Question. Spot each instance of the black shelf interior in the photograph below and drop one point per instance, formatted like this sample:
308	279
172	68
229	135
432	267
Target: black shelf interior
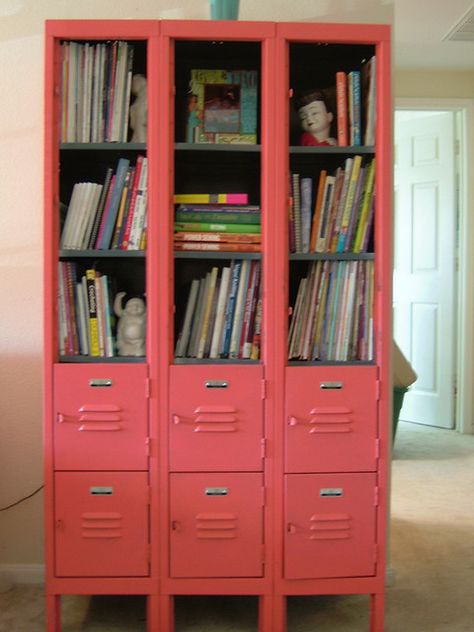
314	67
211	55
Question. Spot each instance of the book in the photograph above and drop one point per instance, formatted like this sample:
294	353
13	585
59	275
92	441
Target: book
222	106
92	313
366	204
220	313
233	209
248	325
111	215
100	207
306	187
368	98
296	197
203	227
239	309
230	307
224	217
341	108
354	99
216	246
203	334
317	210
211	198
219	237
346	215
183	338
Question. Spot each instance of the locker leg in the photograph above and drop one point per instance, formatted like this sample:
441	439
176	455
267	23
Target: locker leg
153	613
279	613
265	613
166	613
377	610
53	613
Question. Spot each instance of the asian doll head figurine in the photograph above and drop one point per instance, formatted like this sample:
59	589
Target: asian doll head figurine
315	119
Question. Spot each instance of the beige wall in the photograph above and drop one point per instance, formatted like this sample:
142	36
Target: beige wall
433	84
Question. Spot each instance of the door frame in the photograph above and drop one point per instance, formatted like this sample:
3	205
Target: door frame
464	301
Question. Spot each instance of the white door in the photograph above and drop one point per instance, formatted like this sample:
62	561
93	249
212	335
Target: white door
424	261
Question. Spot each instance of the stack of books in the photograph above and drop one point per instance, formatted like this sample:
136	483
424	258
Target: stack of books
111	215
217	222
223	314
96	89
339	218
355	111
86	316
332	319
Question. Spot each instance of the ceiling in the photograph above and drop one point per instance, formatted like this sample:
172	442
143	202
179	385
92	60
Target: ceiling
419	29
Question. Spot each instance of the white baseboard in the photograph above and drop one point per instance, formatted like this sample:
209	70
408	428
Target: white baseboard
20	574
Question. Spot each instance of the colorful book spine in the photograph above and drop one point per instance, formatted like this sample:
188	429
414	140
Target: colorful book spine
92	309
200	227
341	108
112	211
224	217
210	246
243	238
211	198
355	107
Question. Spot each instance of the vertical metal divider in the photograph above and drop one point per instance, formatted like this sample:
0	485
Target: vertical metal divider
154	300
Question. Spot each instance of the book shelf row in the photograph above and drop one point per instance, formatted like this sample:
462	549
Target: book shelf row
96	90
86	316
223	314
111	215
337	215
332	318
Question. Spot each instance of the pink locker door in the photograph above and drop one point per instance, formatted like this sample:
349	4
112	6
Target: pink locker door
216	420
101	524
101	417
216	525
330	525
331	419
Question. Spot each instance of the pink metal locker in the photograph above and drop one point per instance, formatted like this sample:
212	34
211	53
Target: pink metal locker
216	418
216	525
331	415
101	417
101	523
330	525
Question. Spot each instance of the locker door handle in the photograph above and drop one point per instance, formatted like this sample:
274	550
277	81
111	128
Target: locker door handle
292	421
291	529
176	419
175	526
98	427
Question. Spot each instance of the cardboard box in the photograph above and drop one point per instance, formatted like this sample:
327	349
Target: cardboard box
402	371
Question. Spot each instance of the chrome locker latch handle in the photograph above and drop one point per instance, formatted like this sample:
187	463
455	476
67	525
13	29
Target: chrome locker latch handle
331	386
291	529
176	419
292	421
60	418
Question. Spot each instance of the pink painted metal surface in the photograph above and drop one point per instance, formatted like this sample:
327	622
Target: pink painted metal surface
330	525
331	419
101	524
216	525
216	420
101	417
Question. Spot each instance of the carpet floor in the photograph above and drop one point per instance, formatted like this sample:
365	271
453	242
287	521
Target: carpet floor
432	562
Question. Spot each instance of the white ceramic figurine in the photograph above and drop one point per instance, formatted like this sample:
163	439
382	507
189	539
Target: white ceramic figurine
131	328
